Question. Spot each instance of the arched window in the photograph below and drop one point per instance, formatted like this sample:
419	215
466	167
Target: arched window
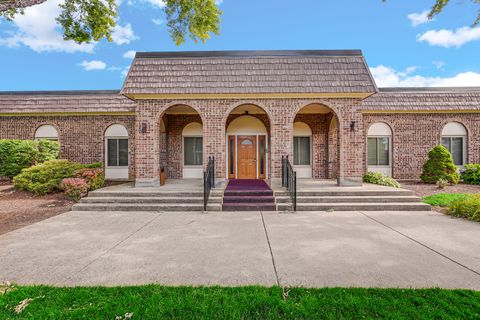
46	131
454	138
379	148
116	147
192	150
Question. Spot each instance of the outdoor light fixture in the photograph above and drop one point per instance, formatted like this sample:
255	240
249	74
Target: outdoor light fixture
144	127
352	126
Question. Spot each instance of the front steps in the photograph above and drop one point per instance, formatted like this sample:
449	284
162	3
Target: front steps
146	200
239	200
352	200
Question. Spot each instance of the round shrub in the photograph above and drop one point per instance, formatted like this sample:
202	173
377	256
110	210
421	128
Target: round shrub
75	188
94	177
381	179
471	174
439	165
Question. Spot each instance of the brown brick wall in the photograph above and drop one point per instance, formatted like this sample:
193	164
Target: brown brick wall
281	114
415	134
81	137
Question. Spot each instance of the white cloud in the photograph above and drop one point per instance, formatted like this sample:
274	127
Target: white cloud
389	77
157	21
419	18
38	30
157	3
448	38
123	35
93	65
439	64
129	54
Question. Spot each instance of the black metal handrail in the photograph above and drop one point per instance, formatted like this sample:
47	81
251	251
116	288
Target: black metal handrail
289	180
208	181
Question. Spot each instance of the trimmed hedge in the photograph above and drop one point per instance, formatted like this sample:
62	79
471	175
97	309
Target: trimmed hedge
471	174
47	177
380	179
439	165
16	155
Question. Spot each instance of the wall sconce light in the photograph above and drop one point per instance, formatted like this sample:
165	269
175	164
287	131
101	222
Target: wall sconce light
352	126
246	112
144	127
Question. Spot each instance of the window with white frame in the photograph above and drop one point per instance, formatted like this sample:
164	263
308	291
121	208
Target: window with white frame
47	132
379	145
116	140
193	144
302	144
454	138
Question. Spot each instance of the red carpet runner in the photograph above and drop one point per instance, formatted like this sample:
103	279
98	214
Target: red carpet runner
248	195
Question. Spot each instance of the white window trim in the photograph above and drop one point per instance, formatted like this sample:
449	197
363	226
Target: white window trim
106	153
183	151
389	152
464	147
311	152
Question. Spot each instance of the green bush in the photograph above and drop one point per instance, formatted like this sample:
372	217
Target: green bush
381	179
471	174
75	188
46	177
48	150
16	155
468	207
94	177
439	165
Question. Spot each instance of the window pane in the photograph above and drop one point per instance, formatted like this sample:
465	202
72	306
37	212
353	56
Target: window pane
446	143
193	151
112	152
383	151
301	151
123	152
457	150
262	154
198	151
232	154
372	151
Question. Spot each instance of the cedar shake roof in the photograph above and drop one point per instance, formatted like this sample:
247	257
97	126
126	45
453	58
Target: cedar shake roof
64	101
249	72
430	99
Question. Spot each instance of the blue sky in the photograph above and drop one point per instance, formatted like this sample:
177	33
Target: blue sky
401	47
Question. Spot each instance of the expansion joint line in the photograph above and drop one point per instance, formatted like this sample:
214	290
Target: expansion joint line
271	252
421	243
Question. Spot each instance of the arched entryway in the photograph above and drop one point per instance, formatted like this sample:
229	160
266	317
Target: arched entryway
316	142
247	147
181	143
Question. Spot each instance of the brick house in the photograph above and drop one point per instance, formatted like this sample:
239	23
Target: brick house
247	109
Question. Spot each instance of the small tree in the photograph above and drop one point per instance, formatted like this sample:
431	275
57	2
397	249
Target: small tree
439	165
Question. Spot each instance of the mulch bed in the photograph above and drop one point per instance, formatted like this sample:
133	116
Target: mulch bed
424	189
20	208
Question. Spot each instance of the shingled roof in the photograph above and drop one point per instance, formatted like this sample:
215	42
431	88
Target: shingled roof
423	99
64	101
249	72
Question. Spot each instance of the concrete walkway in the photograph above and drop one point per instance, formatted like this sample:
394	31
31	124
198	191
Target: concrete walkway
314	249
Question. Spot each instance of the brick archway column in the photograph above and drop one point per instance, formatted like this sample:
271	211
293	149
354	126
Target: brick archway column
281	135
351	145
147	143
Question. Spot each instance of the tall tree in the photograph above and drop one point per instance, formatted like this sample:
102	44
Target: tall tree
84	21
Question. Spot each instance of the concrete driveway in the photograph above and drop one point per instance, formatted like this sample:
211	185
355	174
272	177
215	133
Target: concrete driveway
314	249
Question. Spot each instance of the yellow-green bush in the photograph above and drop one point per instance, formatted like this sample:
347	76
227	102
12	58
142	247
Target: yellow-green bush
467	207
380	179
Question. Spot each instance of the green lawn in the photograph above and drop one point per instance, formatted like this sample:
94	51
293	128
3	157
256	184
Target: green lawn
157	302
443	199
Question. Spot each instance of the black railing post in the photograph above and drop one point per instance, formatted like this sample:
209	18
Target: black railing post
205	190
213	171
289	180
294	191
283	171
208	181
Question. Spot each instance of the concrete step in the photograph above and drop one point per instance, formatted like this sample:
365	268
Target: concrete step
393	206
153	194
256	206
247	199
349	199
143	207
150	200
359	193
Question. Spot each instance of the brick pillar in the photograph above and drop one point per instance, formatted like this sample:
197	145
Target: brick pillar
214	144
352	145
147	136
281	140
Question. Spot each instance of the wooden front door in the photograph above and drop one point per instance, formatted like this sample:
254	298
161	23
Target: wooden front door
247	157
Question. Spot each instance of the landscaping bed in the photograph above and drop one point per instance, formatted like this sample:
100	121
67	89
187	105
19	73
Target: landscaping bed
159	302
20	208
424	189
